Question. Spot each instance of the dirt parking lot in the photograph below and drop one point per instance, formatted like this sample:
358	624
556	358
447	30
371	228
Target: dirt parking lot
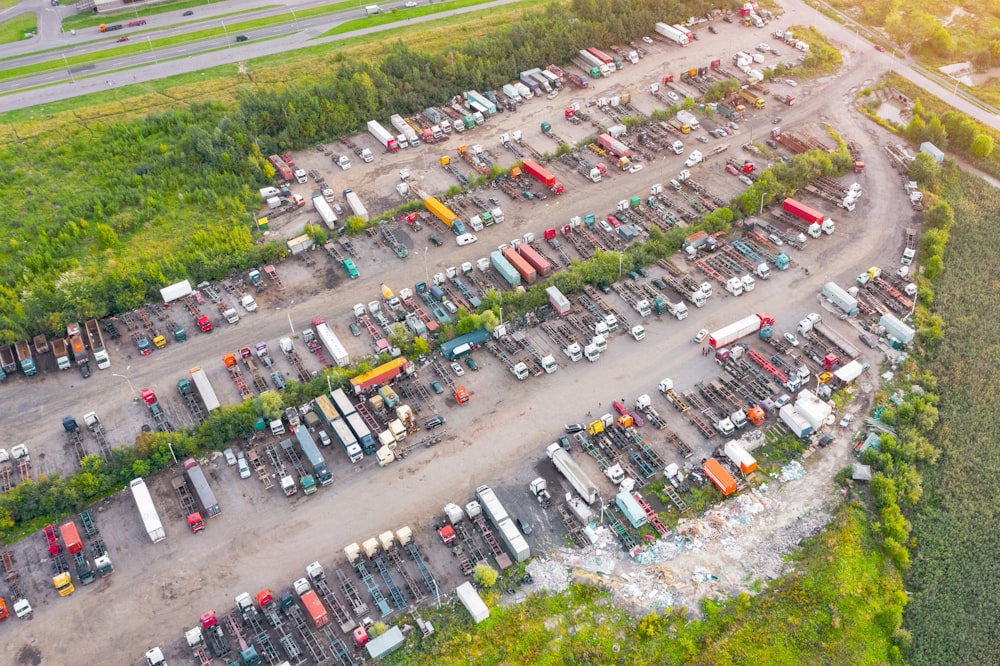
262	539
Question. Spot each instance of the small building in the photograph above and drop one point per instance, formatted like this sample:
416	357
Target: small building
300	244
897	329
388	642
933	151
472	601
630	507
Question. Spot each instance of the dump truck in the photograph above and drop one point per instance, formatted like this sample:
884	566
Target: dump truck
573	473
147	510
97	344
202	491
24	358
61	353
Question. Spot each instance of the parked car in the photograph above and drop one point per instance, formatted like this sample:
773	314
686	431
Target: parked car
783	400
436	387
244	468
411	3
324	438
188	13
868	340
733	126
457	369
792	340
524	526
825	440
712	30
436	240
847	420
673	96
230	457
745	179
791	83
575	427
355	331
732	170
435	422
635	168
702	138
701	335
648	40
471	363
880	48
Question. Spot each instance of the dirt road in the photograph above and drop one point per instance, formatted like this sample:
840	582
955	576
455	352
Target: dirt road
498	439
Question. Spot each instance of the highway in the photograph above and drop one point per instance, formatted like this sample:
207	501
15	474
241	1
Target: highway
280	38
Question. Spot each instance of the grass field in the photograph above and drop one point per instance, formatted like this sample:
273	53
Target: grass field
17	28
956	591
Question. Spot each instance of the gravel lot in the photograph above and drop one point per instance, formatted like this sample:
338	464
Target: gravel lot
262	539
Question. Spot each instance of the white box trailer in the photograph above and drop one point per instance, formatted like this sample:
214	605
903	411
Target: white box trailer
332	344
177	290
205	389
147	510
491	505
325	212
472	601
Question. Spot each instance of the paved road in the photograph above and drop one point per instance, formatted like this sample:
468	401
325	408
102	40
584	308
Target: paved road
161	63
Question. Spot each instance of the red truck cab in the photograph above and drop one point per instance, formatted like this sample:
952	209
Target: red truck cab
195	522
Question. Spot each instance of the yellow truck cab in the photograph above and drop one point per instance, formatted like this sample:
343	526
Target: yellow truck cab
63	584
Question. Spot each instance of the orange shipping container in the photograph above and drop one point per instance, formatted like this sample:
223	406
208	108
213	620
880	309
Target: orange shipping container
71	537
717	474
526	270
316	609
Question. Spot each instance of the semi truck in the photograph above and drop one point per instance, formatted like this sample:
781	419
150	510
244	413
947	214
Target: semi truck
97	344
365	438
331	342
502	266
802	211
542	175
354	201
491	505
74	546
325	212
202	491
514	541
739	329
673	34
404	127
573	473
315	458
525	270
205	389
445	214
343	434
147	510
383	136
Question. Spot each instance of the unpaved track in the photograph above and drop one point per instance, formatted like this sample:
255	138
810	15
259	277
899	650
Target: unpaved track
498	439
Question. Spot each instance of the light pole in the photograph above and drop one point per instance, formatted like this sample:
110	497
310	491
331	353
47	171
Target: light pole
152	50
170	445
761	203
225	32
68	69
426	274
135	396
621	257
292	328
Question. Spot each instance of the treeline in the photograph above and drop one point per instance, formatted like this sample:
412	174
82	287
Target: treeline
102	214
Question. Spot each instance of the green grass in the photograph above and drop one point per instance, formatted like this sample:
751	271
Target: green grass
840	607
401	14
18	28
956	592
4	4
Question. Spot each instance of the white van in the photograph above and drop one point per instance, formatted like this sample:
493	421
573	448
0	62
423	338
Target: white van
466	239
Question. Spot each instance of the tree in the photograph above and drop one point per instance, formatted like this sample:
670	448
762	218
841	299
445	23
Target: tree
925	171
270	405
982	145
420	346
377	629
940	216
485	575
